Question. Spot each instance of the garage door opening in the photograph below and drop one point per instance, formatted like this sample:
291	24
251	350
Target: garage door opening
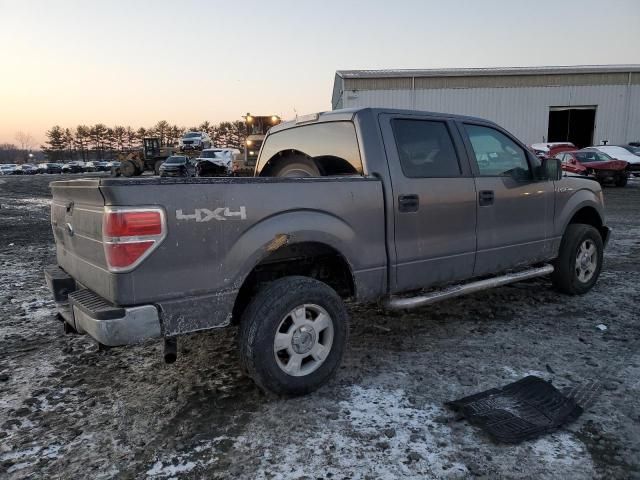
572	124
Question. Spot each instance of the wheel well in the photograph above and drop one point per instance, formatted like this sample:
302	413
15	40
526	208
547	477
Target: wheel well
309	259
328	165
588	216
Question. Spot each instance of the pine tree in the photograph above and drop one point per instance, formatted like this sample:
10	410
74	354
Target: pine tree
131	138
161	129
141	133
69	144
98	138
119	134
55	144
82	138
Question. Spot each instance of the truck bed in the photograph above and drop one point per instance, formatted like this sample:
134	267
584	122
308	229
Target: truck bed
218	229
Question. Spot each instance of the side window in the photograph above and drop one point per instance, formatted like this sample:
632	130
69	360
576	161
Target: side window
496	154
425	149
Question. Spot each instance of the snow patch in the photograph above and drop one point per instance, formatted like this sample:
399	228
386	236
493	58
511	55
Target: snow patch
200	456
382	436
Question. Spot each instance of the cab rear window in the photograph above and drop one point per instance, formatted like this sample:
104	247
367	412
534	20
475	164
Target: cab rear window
332	145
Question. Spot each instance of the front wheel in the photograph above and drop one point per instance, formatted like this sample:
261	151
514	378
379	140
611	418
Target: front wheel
293	335
128	168
621	180
579	262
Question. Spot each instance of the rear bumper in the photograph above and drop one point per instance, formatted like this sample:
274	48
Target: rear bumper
90	314
136	325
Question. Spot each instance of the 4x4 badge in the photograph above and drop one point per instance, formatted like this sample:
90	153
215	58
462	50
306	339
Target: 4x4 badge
206	215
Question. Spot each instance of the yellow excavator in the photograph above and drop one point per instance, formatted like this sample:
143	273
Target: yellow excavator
150	158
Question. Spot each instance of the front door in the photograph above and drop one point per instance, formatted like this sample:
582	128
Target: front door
515	210
434	202
569	163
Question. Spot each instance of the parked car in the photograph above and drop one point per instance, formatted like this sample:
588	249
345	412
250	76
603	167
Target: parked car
396	208
49	168
26	169
177	166
90	166
103	166
635	149
595	164
194	141
8	169
214	162
621	153
550	149
73	167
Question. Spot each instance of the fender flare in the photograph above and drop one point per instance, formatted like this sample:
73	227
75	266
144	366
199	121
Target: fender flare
272	233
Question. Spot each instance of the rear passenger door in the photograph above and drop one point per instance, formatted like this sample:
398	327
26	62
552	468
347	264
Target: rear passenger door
434	201
515	210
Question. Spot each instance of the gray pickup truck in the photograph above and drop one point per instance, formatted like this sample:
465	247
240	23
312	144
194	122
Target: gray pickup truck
401	207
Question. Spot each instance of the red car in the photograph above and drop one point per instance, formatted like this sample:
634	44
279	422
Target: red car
550	149
595	164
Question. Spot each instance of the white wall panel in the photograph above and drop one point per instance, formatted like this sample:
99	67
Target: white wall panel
523	111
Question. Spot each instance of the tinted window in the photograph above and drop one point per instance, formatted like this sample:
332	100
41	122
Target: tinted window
329	143
496	154
425	149
176	160
592	156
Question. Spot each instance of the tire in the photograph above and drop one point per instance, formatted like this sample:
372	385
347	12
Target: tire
156	166
277	310
621	180
128	168
569	276
296	166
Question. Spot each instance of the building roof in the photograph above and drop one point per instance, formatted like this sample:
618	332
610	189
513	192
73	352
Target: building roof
465	72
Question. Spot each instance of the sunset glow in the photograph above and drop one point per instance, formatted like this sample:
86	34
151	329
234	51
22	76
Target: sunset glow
137	62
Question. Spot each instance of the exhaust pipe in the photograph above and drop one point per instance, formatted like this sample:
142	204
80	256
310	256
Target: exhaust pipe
170	349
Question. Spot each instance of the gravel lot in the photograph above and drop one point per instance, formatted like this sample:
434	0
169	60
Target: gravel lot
68	410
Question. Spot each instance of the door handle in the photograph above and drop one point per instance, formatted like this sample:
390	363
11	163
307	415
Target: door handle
485	197
408	203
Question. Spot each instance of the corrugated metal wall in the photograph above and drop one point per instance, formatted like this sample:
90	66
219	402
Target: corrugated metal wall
524	111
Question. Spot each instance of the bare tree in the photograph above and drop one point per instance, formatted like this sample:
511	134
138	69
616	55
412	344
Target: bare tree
26	142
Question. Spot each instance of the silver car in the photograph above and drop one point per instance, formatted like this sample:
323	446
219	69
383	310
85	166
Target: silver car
195	141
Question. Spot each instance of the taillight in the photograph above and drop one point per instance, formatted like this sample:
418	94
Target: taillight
130	235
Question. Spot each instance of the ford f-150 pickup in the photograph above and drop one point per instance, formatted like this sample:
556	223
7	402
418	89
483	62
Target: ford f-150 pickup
400	207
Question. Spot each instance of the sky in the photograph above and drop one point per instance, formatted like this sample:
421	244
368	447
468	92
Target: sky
135	62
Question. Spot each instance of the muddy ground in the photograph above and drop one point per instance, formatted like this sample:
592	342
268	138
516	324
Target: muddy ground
68	410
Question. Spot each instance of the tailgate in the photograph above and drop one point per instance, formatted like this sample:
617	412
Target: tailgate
76	219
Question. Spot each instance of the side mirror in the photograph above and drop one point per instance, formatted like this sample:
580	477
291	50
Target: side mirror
550	169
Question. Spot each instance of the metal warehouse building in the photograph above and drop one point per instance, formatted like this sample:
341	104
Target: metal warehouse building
586	105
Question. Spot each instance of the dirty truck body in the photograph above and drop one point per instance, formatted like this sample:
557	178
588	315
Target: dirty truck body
422	200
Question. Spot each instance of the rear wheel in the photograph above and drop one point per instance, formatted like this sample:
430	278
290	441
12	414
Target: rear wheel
293	335
296	166
156	166
579	261
621	180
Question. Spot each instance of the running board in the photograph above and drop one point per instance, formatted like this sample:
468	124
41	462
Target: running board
402	303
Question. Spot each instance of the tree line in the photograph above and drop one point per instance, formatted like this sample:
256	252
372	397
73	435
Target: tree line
21	151
101	142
